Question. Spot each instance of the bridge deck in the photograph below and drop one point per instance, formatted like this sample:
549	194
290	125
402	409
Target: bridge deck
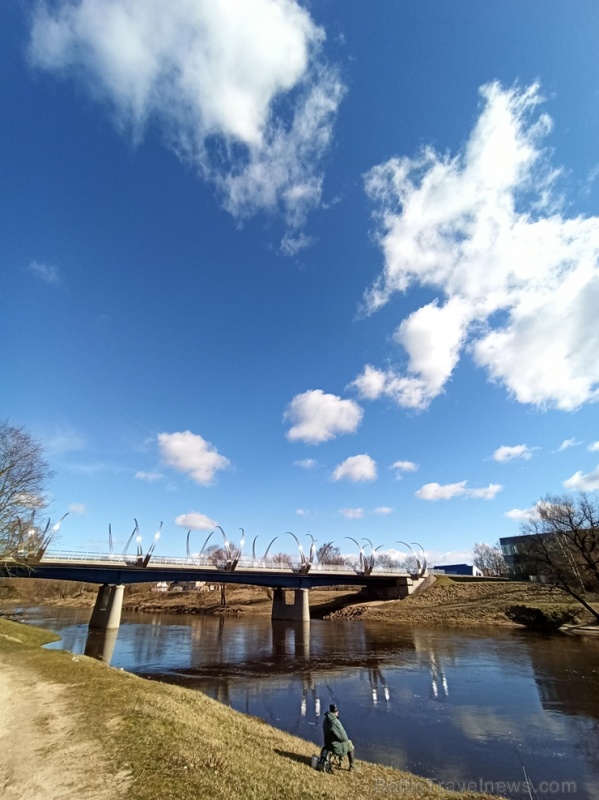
118	569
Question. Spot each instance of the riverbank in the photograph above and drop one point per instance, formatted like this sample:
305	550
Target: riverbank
444	602
240	599
448	602
76	729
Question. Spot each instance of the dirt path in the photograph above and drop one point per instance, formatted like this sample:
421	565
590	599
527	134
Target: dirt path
42	753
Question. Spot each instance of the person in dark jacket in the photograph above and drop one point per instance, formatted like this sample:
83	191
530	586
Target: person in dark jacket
335	738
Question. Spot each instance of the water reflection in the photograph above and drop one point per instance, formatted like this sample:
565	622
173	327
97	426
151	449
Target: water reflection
448	705
100	643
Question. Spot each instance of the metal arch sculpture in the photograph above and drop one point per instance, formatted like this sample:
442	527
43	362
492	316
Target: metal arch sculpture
48	536
256	562
141	560
424	567
38	540
366	562
129	540
146	559
371	559
405	544
361	552
232	554
421	568
188	549
205	543
305	561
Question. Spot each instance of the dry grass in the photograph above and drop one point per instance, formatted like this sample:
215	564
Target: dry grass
172	742
452	603
241	599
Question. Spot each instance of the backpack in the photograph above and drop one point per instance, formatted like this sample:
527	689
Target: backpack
324	761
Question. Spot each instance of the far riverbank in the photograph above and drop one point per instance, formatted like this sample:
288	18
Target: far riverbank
445	602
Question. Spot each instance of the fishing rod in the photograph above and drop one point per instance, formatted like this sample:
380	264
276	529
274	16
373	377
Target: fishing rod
529	784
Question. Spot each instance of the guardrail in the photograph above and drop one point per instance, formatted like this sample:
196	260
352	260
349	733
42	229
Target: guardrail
56	556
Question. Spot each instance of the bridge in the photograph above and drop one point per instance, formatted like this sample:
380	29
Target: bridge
113	572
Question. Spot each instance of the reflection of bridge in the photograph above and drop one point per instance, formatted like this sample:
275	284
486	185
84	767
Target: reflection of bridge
114	571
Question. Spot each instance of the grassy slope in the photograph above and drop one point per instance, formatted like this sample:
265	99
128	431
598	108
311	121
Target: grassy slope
175	743
448	602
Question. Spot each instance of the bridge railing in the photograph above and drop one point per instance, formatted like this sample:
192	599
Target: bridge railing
205	562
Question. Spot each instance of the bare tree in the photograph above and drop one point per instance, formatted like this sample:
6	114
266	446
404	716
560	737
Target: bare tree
217	555
281	559
562	546
489	560
24	473
411	565
387	561
328	553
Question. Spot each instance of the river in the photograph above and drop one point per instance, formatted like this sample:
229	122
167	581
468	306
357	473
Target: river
504	711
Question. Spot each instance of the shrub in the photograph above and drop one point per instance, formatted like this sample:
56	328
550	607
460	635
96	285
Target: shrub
541	619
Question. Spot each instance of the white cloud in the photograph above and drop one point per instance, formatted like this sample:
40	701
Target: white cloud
566	444
486	492
302	512
436	491
77	508
195	521
590	179
150	477
306	463
580	482
523	514
383	511
63	439
46	272
517	281
403	466
189	453
352	513
593	447
507	453
355	468
292	244
436	559
210	73
317	417
406	391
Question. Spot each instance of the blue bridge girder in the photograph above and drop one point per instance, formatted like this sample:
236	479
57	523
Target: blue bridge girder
126	570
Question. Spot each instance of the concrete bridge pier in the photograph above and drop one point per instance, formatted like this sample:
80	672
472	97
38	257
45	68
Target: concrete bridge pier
297	611
108	607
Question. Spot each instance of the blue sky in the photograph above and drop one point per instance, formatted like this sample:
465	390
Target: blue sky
325	267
